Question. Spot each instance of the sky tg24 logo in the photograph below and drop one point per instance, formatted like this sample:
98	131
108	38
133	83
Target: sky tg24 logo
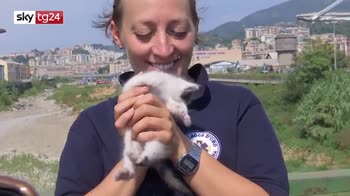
38	17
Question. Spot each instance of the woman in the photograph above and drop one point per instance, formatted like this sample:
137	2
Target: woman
240	153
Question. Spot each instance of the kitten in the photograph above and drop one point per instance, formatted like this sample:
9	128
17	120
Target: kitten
173	92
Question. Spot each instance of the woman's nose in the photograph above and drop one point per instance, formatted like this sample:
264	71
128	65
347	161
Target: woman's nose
162	46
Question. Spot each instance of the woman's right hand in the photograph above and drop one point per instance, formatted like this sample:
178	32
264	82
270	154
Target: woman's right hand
123	110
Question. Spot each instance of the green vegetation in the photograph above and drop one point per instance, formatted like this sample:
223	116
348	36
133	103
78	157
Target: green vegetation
9	96
325	110
301	153
21	59
311	110
103	70
35	170
212	39
82	97
311	65
330	186
40	173
80	51
107	47
310	113
38	86
6	99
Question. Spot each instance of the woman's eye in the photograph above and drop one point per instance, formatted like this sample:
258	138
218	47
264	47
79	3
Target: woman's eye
144	36
179	34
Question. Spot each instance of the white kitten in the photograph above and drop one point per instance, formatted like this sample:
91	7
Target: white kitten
173	92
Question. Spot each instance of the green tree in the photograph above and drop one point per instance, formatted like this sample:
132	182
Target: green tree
311	65
21	59
103	70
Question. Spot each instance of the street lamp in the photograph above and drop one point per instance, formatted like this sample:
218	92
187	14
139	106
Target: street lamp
335	46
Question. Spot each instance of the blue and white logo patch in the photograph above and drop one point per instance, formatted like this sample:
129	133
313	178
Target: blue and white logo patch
207	141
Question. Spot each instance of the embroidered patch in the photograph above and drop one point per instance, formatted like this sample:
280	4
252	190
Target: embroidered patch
207	141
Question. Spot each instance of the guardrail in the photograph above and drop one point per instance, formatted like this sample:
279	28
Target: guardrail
330	182
245	81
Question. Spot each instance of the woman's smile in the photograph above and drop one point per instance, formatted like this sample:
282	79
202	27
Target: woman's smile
164	66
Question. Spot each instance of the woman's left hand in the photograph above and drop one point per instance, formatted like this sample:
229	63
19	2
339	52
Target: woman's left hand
153	121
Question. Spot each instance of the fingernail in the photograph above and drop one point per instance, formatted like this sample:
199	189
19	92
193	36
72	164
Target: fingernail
145	89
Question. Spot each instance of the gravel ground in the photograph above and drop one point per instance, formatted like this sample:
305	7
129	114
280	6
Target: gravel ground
39	128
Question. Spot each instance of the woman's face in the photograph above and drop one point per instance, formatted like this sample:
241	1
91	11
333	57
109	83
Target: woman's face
157	34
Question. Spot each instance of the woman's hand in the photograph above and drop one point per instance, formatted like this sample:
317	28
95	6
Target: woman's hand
124	111
153	121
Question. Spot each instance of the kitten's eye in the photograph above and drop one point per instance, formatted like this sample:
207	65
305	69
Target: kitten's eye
186	96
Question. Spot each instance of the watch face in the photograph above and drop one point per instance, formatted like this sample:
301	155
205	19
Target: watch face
187	164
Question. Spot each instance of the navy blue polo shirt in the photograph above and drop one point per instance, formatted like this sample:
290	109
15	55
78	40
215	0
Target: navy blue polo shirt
229	122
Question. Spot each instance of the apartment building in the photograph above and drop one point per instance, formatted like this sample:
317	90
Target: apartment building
119	67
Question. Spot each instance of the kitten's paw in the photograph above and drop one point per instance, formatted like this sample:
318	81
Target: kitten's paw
133	156
124	174
135	152
187	120
142	161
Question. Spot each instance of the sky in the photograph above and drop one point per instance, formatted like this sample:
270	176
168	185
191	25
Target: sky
78	16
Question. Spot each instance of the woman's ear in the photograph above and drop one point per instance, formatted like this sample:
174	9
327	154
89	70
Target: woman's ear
115	32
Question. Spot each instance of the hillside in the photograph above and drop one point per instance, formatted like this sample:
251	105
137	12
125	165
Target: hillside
284	12
107	47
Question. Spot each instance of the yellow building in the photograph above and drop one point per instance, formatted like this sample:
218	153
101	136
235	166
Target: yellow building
13	71
2	69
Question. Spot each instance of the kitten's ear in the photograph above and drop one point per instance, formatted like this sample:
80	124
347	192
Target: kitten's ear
188	91
191	88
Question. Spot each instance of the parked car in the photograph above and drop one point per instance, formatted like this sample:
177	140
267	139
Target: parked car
103	81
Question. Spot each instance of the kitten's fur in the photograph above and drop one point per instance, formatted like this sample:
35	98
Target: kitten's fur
172	91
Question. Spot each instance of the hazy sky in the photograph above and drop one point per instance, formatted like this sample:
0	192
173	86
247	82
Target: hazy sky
78	15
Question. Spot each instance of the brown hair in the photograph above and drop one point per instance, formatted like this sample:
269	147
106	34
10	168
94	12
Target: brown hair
106	18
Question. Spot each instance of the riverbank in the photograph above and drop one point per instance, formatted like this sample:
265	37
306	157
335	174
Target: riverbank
40	128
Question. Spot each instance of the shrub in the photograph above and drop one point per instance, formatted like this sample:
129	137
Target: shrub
295	87
342	139
5	98
80	97
325	110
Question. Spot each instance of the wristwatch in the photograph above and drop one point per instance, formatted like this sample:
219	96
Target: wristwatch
188	162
